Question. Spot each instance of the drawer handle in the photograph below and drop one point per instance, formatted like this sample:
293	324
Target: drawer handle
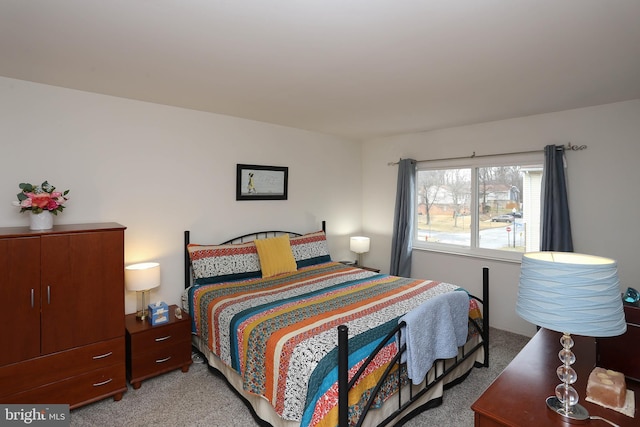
163	338
163	360
103	382
102	356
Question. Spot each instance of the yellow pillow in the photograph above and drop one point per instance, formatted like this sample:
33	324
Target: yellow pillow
276	256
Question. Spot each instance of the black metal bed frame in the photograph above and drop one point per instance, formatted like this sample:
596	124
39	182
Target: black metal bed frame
345	385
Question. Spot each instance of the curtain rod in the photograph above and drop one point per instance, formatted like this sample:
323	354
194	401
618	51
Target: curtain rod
568	147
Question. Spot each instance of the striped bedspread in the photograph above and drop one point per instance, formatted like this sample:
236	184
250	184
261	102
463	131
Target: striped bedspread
280	333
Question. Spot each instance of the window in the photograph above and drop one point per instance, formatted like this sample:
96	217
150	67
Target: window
487	206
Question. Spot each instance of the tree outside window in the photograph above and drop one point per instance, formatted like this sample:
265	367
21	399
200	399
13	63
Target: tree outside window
479	209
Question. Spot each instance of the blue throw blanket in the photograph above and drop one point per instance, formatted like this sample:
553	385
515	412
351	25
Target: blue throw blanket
434	330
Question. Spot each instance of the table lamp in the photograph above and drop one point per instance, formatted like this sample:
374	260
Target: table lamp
141	278
359	245
570	293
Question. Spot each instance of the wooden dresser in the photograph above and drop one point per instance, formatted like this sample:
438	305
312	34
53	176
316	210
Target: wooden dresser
63	335
518	395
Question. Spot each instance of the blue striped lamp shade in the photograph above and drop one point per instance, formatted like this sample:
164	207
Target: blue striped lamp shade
570	292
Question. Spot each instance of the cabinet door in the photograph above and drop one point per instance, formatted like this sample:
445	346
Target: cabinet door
20	297
82	289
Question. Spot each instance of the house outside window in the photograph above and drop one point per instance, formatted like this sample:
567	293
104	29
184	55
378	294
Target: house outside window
487	206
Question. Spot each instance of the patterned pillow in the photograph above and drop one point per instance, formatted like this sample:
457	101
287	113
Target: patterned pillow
218	263
310	249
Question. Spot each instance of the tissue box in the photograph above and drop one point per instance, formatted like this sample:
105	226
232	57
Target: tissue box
158	313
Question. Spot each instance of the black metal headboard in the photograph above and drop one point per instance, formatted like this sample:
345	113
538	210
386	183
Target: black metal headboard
259	235
240	239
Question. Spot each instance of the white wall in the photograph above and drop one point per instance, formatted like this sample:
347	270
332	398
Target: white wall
604	197
160	170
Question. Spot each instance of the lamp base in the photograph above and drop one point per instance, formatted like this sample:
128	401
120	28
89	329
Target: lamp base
577	415
142	297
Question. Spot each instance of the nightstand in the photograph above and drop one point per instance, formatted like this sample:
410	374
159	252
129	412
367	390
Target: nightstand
154	350
354	264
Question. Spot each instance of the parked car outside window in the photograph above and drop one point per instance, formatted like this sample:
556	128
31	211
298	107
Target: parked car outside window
458	200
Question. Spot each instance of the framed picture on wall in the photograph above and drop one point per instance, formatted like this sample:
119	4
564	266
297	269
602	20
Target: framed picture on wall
256	182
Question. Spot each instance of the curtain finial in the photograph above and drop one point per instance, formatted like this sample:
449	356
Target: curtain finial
572	147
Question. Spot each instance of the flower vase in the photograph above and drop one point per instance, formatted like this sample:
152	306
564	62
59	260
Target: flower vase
41	221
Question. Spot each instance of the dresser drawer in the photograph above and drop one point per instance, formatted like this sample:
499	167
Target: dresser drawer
160	337
78	390
160	360
54	367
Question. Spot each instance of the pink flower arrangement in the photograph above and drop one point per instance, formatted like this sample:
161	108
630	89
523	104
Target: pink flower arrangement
38	198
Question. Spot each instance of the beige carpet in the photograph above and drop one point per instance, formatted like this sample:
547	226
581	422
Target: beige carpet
201	398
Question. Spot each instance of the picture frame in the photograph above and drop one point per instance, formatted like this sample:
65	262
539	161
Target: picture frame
258	182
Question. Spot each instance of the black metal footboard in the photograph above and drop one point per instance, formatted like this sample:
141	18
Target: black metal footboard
344	384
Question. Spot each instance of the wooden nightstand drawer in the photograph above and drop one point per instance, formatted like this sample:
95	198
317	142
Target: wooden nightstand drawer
160	336
162	360
154	350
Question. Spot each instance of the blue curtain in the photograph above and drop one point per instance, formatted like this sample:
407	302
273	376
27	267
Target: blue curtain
556	226
401	244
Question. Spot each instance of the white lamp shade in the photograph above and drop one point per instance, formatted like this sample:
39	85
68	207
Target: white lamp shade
571	293
143	276
359	244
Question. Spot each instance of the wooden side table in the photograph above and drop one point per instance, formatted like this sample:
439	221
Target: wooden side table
354	264
154	350
517	396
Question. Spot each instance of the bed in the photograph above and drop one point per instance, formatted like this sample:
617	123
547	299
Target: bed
308	341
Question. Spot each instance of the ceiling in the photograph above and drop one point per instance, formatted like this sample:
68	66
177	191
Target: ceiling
358	69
